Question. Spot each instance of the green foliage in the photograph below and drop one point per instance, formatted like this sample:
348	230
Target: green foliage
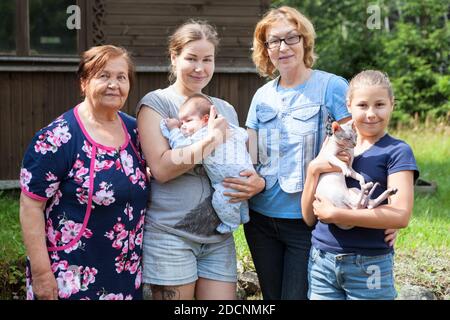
12	262
411	44
7	27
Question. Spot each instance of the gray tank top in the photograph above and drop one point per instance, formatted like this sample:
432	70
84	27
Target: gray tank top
182	206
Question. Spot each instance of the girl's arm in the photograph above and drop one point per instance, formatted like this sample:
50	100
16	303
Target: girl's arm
309	189
394	215
315	168
33	231
166	164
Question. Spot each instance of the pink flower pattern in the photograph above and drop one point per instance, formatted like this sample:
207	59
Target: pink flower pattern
51	140
127	241
25	178
82	267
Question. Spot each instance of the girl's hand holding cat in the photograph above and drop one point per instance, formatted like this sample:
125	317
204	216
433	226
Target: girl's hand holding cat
324	210
321	165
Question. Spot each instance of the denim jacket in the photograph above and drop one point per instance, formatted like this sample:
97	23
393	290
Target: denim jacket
290	134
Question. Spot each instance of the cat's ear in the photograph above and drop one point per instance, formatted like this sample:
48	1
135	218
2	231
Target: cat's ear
335	126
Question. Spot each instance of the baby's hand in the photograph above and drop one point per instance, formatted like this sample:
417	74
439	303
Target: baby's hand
172	123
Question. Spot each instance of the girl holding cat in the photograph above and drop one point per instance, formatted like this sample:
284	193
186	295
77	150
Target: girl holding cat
357	263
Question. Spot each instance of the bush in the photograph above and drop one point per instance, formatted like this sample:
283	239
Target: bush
12	279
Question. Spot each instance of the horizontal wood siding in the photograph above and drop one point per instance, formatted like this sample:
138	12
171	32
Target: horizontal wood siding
143	27
31	100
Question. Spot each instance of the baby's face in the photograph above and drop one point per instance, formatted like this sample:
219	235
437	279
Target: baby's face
191	121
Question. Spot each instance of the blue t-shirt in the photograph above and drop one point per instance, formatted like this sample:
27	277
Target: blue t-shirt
274	202
387	156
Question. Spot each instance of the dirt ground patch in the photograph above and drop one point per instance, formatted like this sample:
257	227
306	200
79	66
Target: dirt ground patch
429	268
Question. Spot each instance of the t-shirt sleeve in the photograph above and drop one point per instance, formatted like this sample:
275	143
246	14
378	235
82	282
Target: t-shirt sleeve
235	119
335	98
154	101
402	159
46	163
227	110
252	121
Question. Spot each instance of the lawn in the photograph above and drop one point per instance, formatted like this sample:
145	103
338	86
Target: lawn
422	249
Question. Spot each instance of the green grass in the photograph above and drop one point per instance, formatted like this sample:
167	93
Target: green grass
429	226
11	245
423	249
12	250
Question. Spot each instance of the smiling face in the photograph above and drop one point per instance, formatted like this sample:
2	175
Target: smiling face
371	108
194	66
286	57
109	88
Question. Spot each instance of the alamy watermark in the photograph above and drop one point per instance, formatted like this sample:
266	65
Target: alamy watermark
74	20
374	280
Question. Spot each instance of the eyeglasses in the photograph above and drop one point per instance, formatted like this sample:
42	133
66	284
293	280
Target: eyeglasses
276	43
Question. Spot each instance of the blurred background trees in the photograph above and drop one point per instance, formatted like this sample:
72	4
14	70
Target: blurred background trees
409	40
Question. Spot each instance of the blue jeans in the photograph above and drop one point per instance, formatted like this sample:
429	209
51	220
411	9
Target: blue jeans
350	276
280	250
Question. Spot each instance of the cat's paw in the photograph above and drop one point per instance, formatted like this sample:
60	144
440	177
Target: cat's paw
392	191
346	171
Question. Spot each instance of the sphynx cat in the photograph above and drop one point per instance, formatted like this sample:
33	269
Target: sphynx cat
332	185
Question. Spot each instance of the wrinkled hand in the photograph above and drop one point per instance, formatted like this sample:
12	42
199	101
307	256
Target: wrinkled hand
45	286
172	123
324	209
391	236
246	187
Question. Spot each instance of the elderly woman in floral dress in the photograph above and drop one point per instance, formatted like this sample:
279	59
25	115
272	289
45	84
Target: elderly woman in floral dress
84	191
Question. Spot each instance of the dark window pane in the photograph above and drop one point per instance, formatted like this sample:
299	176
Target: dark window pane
49	33
7	26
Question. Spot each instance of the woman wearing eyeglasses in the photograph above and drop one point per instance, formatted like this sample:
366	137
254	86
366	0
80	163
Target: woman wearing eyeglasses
289	117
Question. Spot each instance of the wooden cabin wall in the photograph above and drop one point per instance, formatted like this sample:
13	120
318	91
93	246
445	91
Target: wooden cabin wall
143	26
31	100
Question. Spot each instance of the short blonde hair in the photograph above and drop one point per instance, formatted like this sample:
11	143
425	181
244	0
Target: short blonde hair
369	78
189	31
304	27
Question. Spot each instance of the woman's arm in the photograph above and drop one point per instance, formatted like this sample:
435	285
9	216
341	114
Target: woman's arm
33	230
394	215
246	188
166	164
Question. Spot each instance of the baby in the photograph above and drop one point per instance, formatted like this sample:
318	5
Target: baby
227	160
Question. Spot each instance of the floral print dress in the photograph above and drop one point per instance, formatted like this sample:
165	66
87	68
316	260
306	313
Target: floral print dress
96	199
